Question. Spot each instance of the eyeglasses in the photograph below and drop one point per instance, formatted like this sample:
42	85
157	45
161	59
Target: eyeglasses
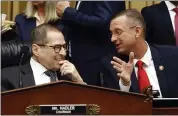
57	48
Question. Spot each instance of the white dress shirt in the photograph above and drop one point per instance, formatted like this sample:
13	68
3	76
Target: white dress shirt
150	70
172	14
39	20
38	72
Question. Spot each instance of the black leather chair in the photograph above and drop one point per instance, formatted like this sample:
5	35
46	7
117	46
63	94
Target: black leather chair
11	53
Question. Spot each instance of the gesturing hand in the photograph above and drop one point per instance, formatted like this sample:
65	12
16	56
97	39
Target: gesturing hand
124	70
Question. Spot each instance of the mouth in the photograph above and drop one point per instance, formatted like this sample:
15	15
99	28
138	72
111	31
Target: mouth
118	46
59	58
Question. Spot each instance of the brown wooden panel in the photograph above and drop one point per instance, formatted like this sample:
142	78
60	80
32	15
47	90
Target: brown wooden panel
110	101
165	111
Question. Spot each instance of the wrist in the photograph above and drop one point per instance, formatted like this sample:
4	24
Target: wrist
77	78
125	83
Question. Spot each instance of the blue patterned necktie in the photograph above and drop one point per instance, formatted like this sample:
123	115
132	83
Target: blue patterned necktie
52	75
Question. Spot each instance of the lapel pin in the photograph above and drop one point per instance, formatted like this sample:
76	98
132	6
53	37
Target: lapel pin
161	68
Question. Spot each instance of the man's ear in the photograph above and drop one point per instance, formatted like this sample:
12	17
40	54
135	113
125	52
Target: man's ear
35	49
138	31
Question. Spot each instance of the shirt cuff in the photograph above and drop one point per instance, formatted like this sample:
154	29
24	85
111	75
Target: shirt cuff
123	87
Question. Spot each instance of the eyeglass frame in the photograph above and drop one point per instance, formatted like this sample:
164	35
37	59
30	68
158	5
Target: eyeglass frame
55	46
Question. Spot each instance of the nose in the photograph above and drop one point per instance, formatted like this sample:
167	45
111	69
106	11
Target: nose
113	38
62	51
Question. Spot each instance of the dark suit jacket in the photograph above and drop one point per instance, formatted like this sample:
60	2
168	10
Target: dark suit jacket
158	24
90	28
165	56
10	77
24	26
90	36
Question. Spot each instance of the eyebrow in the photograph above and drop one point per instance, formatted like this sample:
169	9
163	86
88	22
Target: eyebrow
60	44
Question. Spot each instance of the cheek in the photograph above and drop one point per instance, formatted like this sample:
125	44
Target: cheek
128	40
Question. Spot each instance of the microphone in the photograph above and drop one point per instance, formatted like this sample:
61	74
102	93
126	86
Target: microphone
101	76
155	93
24	50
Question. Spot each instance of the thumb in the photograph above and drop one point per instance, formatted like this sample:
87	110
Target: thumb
131	58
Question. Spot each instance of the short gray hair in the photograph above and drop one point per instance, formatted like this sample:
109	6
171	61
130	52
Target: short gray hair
39	34
135	16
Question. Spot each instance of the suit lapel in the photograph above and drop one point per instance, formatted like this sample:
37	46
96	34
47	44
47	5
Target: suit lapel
106	61
167	20
134	81
27	75
158	62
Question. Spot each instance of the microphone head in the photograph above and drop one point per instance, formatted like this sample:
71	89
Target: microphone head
24	49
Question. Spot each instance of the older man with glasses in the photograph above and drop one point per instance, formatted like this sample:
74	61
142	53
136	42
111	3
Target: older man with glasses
47	63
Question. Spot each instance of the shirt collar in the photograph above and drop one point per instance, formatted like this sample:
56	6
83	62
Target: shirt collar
37	16
169	5
37	67
147	58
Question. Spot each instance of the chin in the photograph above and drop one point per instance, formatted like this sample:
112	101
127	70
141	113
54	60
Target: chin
57	67
122	51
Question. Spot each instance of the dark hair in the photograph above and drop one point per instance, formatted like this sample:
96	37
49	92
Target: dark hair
39	34
135	16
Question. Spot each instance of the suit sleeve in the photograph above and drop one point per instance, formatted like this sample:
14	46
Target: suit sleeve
102	14
6	84
146	13
17	26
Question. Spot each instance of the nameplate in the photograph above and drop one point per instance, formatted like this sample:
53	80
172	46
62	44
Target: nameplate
67	109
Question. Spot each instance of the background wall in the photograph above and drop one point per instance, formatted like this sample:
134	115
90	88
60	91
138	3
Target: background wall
12	8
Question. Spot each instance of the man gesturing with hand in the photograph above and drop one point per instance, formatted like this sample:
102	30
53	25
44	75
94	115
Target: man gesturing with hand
139	65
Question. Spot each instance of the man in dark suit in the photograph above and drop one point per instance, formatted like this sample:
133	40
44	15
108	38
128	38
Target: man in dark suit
89	35
47	63
160	22
141	64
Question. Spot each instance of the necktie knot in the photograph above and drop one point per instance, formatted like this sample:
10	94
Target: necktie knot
175	10
139	64
51	74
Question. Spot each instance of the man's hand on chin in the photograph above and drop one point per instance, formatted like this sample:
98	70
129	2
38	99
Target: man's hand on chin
69	70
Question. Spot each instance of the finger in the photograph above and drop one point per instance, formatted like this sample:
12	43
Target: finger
131	58
66	68
66	72
63	61
116	64
119	74
118	60
62	67
117	69
63	71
